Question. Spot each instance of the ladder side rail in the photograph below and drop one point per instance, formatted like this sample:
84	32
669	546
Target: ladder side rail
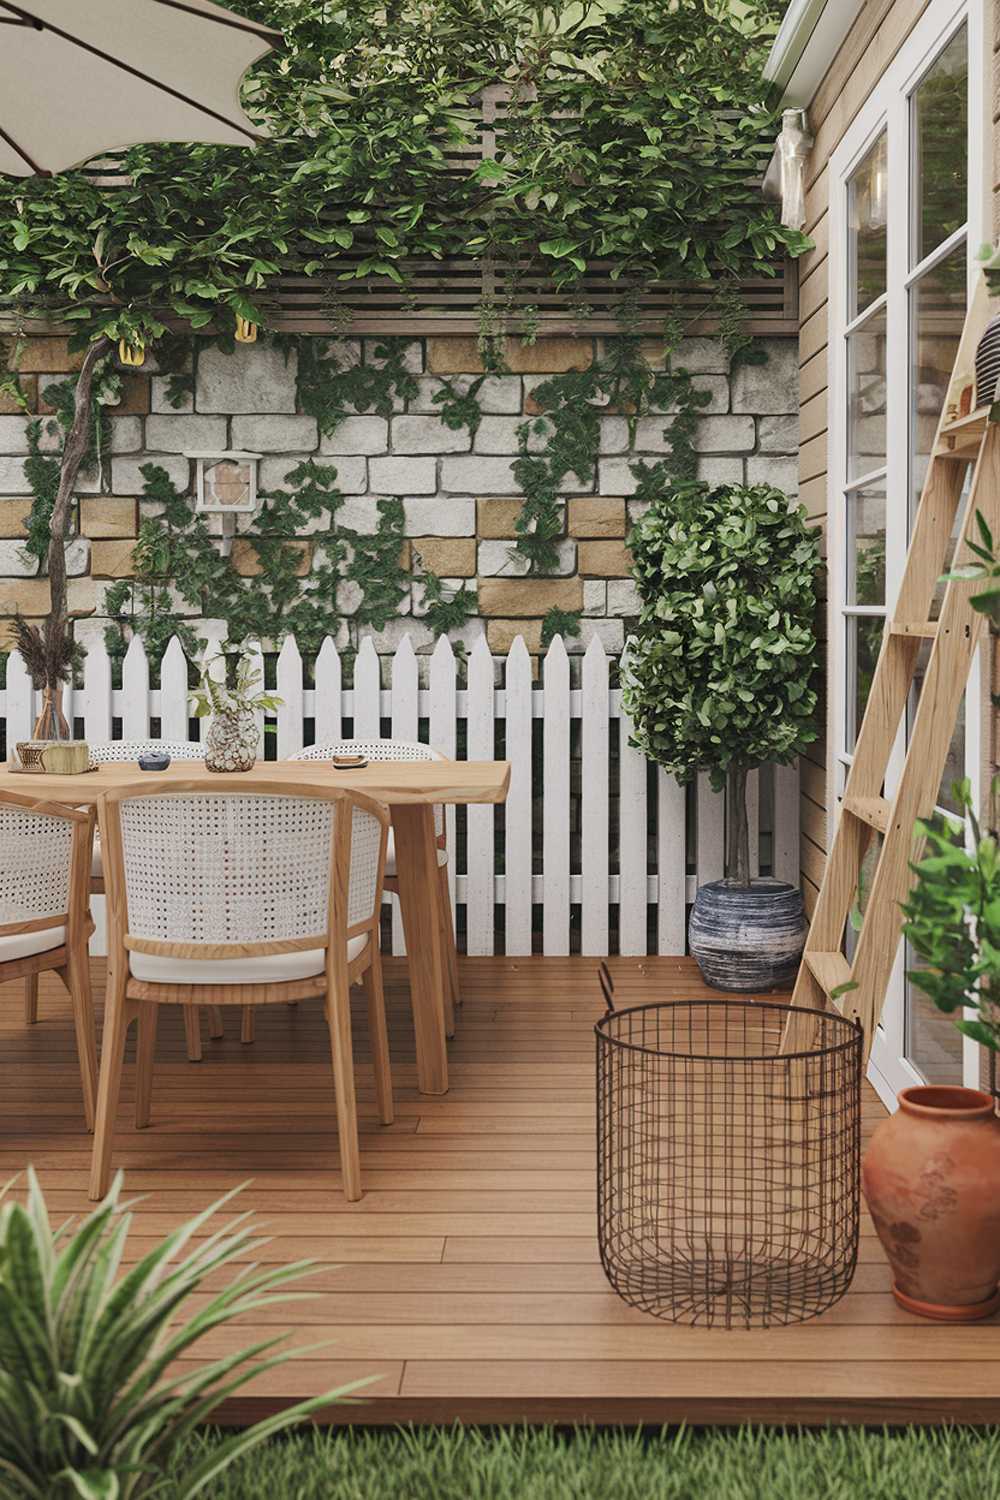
906	625
887	697
960	630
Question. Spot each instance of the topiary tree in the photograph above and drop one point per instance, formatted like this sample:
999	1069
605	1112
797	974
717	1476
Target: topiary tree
718	678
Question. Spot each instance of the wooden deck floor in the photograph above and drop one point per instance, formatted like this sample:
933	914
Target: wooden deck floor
467	1280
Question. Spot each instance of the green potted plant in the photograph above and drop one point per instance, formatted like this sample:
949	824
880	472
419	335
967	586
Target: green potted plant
931	1173
718	679
953	920
93	1404
233	697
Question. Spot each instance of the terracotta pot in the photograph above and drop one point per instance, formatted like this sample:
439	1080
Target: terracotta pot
931	1176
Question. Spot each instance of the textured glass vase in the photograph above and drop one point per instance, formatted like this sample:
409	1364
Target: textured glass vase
231	744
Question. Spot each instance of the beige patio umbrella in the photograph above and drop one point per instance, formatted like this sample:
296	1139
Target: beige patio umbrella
81	77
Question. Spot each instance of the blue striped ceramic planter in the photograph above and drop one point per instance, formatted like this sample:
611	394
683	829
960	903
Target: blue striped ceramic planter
747	938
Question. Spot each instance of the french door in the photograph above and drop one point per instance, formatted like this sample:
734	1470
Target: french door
908	189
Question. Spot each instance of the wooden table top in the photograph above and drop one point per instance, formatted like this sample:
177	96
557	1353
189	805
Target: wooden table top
391	781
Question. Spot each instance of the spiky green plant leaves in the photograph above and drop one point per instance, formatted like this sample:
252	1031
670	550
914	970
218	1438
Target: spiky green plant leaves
92	1402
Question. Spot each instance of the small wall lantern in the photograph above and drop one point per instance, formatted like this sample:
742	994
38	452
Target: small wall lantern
226	486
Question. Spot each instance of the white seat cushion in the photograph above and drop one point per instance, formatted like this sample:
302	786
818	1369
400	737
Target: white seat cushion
269	968
24	944
97	863
390	855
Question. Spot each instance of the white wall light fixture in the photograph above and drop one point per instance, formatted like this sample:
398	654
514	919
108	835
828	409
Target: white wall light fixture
226	487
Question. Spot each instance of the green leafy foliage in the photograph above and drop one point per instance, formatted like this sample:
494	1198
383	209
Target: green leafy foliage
633	137
460	407
953	919
719	674
564	441
718	678
986	568
332	384
238	688
176	552
564	622
93	1406
446	608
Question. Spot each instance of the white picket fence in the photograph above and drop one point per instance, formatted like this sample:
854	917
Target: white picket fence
651	862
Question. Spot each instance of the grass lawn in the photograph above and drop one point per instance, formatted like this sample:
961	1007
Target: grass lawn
536	1464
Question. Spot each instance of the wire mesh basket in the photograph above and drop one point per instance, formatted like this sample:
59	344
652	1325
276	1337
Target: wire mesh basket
728	1170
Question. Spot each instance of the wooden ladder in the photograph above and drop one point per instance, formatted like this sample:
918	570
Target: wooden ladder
865	812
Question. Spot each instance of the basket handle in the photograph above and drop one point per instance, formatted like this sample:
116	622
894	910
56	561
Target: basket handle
607	986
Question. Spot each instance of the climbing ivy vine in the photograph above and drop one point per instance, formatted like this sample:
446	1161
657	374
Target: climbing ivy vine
311	572
305	572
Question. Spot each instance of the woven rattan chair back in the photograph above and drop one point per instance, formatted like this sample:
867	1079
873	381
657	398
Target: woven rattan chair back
235	873
378	750
121	750
241	868
35	855
45	854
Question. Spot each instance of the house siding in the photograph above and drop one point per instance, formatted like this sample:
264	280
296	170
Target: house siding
879	31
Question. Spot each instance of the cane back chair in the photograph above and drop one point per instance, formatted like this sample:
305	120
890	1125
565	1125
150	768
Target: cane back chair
45	922
409	750
238	897
130	750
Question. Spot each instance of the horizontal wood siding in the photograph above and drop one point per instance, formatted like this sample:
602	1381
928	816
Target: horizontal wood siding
877	34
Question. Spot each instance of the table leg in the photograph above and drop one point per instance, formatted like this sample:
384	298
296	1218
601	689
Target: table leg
417	874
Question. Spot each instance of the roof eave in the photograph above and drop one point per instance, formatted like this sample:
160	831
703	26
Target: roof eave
810	37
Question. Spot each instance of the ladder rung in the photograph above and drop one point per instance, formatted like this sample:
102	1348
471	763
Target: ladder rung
830	970
975	422
926	629
875	811
966	454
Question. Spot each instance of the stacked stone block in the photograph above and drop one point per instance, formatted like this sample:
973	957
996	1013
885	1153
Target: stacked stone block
460	496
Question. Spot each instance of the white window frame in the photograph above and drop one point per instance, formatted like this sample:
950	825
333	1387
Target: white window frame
887	109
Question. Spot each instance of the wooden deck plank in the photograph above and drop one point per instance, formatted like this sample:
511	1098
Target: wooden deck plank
472	1260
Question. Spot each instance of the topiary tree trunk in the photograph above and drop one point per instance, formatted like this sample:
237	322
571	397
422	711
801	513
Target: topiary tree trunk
737	827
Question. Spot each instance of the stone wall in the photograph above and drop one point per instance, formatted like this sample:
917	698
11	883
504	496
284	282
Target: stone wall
459	493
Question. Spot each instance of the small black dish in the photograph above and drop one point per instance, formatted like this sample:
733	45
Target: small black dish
153	760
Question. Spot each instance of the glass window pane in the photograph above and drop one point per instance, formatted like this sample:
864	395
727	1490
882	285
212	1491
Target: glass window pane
954	768
866	545
864	642
859	905
866	218
940	123
937	311
931	1041
866	397
954	553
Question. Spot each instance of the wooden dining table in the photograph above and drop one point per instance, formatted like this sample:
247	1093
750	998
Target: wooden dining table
411	789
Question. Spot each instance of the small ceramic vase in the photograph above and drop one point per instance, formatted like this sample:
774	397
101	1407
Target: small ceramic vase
931	1176
231	744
